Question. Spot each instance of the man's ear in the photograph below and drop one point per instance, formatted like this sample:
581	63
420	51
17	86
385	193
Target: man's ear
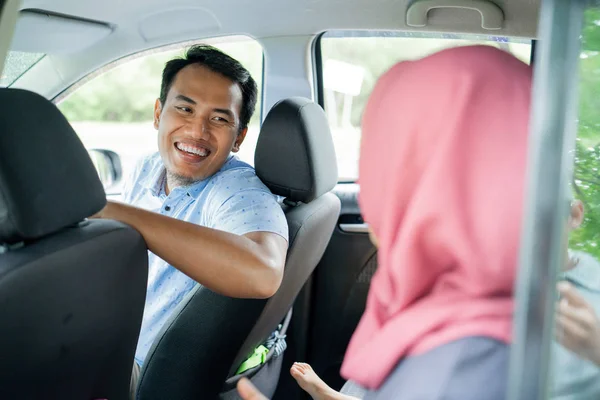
157	112
577	212
239	140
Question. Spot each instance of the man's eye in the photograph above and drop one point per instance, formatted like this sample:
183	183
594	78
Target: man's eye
184	109
220	119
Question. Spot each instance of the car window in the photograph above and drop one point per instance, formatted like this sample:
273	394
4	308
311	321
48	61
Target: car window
575	350
351	63
113	109
16	64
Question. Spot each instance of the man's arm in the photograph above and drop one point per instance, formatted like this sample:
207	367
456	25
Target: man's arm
248	266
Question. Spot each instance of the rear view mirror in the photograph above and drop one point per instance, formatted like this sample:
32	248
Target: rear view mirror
108	166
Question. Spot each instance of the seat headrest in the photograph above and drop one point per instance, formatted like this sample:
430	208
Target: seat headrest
47	179
295	156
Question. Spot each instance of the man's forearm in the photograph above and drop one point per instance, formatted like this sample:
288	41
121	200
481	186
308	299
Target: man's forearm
226	263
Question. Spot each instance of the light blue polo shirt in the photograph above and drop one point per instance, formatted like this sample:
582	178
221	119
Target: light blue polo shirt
572	377
232	200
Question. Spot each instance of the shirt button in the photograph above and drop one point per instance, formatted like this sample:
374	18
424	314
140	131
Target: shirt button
167	208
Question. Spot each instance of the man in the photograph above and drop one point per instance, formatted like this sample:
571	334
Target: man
204	214
576	352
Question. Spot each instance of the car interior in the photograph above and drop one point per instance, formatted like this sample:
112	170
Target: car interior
304	147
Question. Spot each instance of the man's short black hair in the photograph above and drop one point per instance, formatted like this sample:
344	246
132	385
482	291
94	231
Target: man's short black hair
219	62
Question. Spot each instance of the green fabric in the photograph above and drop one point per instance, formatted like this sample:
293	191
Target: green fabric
257	358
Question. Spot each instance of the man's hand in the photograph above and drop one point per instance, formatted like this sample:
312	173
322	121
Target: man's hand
248	266
578	328
248	391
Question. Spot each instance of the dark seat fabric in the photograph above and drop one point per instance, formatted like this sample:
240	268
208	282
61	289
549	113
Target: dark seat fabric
210	335
72	290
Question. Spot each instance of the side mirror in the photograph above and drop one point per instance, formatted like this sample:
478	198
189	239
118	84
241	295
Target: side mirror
108	165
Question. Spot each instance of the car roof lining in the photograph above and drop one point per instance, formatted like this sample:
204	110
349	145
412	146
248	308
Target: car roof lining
117	29
39	31
72	25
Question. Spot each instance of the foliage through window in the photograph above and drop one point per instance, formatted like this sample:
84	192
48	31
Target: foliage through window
587	157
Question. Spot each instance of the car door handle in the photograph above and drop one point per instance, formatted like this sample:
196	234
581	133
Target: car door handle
355	228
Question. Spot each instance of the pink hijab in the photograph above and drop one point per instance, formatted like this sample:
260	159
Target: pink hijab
442	172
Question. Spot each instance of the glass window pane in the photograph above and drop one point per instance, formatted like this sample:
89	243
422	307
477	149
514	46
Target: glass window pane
352	63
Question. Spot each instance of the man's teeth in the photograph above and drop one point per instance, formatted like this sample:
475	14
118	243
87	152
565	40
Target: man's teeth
200	151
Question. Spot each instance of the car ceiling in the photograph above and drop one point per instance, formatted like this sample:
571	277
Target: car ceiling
80	36
264	18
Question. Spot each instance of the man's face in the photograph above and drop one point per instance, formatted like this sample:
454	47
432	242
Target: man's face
198	126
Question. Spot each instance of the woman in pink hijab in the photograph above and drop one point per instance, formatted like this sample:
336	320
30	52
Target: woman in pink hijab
442	172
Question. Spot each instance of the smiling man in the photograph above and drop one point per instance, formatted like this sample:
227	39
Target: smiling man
204	214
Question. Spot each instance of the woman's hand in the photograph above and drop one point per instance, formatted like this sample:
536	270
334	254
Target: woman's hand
578	327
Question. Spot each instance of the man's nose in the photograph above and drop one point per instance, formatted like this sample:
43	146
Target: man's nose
199	130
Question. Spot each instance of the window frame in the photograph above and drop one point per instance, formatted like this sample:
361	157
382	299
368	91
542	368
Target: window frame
553	129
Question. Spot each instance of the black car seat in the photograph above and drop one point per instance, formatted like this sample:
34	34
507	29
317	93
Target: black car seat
72	290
